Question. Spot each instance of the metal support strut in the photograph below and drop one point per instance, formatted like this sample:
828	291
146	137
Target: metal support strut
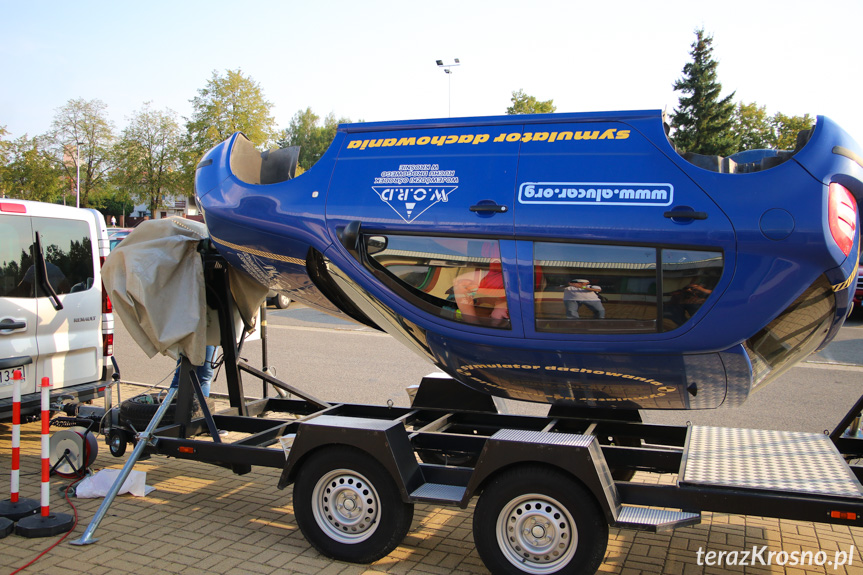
87	537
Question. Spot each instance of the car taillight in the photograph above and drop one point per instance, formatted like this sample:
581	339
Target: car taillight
842	216
108	344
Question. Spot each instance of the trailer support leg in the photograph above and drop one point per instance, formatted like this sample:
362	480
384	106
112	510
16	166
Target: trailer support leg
87	537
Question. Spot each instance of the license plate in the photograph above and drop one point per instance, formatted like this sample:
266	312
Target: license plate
7	374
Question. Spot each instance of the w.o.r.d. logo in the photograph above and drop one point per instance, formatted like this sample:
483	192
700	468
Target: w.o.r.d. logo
411	202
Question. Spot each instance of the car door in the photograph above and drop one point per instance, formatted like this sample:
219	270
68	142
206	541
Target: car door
18	303
603	204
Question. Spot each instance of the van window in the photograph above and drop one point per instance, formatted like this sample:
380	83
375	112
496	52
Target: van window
15	256
68	255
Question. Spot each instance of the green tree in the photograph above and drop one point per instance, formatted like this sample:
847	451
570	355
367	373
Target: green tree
227	104
753	126
313	138
81	131
524	104
786	129
147	157
5	153
703	123
31	171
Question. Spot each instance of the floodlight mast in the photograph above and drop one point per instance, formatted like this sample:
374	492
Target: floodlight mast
447	68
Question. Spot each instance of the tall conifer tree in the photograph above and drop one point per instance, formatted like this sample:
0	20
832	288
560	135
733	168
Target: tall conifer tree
703	123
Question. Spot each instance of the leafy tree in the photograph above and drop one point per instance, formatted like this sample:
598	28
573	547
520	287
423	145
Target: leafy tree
313	138
524	104
81	130
227	104
31	171
786	129
147	157
753	126
703	123
758	130
115	200
5	151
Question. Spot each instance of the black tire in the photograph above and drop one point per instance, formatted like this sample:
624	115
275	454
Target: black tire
539	520
116	442
282	301
348	506
138	411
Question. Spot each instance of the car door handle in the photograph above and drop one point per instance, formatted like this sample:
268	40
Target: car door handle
685	214
10	324
489	208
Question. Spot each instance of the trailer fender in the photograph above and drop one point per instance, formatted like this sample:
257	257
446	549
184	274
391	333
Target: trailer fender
385	441
579	455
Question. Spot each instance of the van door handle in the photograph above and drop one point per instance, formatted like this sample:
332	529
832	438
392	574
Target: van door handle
10	324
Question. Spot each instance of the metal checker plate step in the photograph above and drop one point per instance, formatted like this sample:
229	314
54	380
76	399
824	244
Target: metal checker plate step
787	461
655	519
527	436
439	492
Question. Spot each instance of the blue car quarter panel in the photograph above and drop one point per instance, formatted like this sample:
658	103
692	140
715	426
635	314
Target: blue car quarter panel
571	259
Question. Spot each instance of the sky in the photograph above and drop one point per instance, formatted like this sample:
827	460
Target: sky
374	60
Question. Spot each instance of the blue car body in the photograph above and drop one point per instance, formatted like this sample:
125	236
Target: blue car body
570	259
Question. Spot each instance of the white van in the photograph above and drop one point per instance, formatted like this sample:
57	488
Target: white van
55	317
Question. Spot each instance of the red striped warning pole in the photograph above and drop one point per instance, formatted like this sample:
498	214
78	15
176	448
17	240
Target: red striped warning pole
46	445
17	376
46	524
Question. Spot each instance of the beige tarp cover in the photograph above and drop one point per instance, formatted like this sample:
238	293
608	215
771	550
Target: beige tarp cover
155	279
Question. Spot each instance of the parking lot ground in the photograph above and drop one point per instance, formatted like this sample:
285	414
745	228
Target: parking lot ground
203	519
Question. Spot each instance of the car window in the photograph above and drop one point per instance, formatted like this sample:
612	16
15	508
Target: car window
594	288
460	279
581	288
15	256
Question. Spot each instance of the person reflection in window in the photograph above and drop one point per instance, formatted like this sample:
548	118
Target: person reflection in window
481	293
580	292
686	301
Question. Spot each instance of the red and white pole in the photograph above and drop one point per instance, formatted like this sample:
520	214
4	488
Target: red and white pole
17	376
46	444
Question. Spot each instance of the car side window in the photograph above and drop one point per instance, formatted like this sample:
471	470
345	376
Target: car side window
68	254
588	288
15	256
460	279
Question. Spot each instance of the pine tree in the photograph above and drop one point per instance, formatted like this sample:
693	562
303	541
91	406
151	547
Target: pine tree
702	122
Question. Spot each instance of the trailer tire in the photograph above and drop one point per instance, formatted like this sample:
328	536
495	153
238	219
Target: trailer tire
348	506
116	442
138	411
539	520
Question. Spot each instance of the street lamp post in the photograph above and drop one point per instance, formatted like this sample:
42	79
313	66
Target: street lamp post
78	175
447	68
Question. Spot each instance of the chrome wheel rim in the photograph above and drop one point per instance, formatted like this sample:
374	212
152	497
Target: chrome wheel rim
346	506
536	533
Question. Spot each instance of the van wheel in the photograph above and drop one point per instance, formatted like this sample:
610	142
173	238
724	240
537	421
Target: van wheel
348	506
138	411
282	301
539	520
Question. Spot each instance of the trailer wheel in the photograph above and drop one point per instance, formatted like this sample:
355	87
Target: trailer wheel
117	442
539	520
348	506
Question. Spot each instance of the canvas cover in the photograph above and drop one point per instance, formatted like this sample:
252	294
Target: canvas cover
155	279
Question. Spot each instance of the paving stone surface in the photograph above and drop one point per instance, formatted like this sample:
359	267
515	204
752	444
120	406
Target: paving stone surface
203	519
